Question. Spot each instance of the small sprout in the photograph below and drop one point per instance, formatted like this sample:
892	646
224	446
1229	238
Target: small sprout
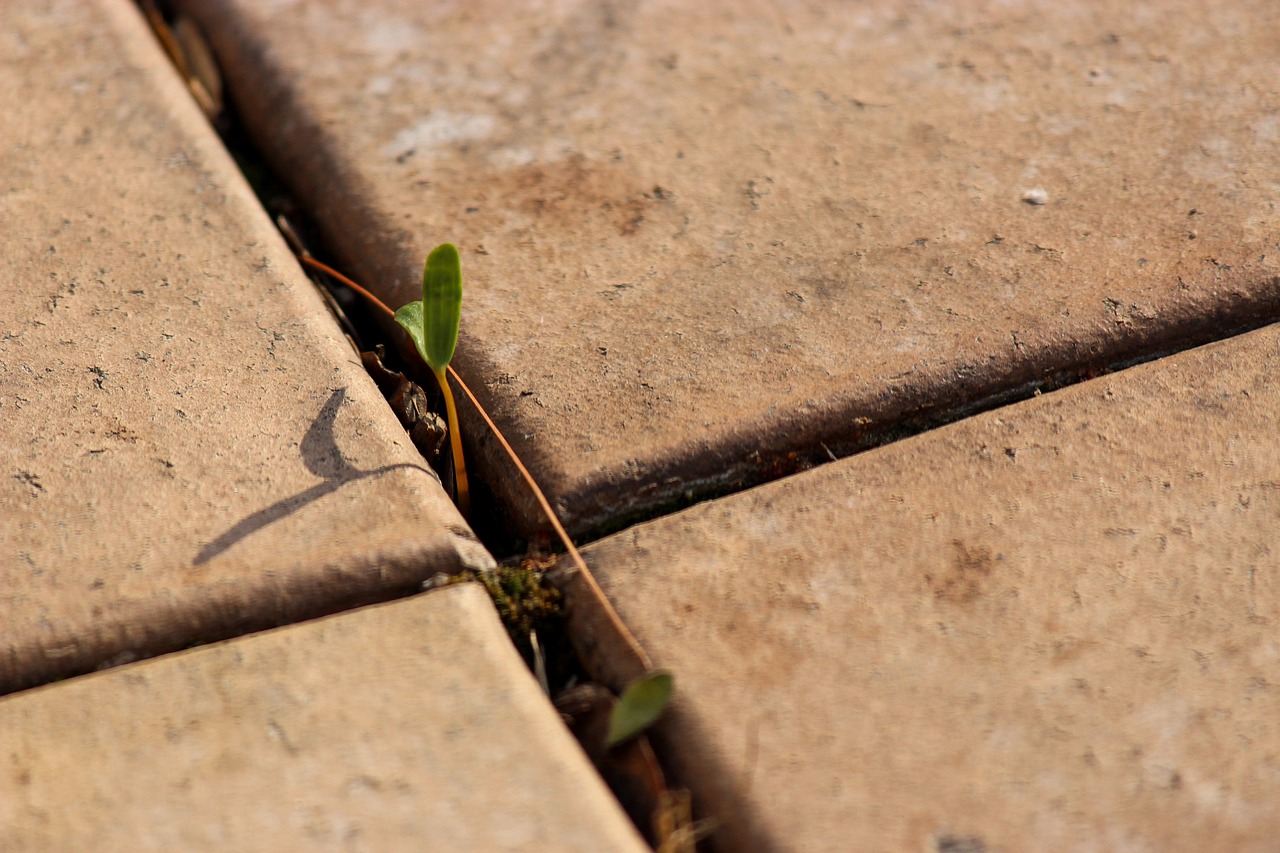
630	648
433	325
641	704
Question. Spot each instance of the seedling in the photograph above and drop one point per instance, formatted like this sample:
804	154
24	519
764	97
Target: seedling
641	704
433	325
631	649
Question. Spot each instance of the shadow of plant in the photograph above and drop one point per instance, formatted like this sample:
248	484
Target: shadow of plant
323	457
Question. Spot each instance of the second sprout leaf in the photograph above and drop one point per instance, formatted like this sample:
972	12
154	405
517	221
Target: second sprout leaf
410	317
641	704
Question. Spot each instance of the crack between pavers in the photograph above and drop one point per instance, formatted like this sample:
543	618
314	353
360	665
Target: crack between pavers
901	415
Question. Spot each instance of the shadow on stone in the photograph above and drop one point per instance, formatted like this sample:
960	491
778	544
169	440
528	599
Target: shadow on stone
323	457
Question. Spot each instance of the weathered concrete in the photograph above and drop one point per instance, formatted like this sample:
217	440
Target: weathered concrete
407	726
1051	627
702	237
190	449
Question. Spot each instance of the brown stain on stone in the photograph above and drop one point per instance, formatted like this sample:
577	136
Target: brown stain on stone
578	194
963	578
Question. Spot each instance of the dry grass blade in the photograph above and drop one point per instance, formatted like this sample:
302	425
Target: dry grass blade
622	632
584	572
330	271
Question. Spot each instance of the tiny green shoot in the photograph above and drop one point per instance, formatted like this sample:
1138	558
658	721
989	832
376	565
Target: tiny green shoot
433	325
630	650
641	704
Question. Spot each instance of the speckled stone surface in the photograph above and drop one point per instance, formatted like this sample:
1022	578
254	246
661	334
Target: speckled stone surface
407	726
190	448
1050	627
702	237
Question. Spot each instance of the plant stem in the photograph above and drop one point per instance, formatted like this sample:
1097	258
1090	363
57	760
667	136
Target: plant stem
455	444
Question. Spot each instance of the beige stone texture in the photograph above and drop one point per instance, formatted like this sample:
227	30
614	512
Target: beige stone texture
190	448
405	726
1049	627
703	239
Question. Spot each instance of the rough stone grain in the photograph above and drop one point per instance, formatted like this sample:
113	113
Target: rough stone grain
407	726
703	239
1050	627
190	449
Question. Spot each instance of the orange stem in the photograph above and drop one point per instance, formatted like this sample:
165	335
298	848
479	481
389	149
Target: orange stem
328	270
455	442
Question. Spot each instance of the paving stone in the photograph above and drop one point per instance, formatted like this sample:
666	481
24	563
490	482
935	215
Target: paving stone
406	726
1049	627
190	449
703	238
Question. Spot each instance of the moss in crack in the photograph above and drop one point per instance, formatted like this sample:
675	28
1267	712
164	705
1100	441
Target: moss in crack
525	601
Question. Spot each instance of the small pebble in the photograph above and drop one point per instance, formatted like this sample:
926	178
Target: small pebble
1035	195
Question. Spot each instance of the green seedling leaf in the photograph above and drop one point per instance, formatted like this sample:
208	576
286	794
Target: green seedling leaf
433	322
641	704
441	304
410	316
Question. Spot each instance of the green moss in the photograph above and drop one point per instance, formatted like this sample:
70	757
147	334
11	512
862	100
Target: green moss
523	600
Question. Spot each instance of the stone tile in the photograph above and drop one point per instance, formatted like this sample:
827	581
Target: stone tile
190	449
406	726
703	238
1049	627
